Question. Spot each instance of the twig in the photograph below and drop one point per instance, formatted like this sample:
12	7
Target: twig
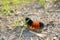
43	35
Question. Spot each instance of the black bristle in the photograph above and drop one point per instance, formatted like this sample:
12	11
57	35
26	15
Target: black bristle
29	21
41	25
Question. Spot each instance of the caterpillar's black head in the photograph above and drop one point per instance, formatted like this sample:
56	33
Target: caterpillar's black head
41	25
29	21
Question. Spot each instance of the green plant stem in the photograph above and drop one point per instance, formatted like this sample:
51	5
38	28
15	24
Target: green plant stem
22	31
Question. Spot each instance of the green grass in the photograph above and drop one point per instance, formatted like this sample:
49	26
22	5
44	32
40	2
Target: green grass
42	2
16	23
7	3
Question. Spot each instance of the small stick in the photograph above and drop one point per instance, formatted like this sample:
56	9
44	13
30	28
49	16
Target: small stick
43	35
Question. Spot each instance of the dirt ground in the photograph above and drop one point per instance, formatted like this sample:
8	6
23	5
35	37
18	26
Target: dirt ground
49	14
